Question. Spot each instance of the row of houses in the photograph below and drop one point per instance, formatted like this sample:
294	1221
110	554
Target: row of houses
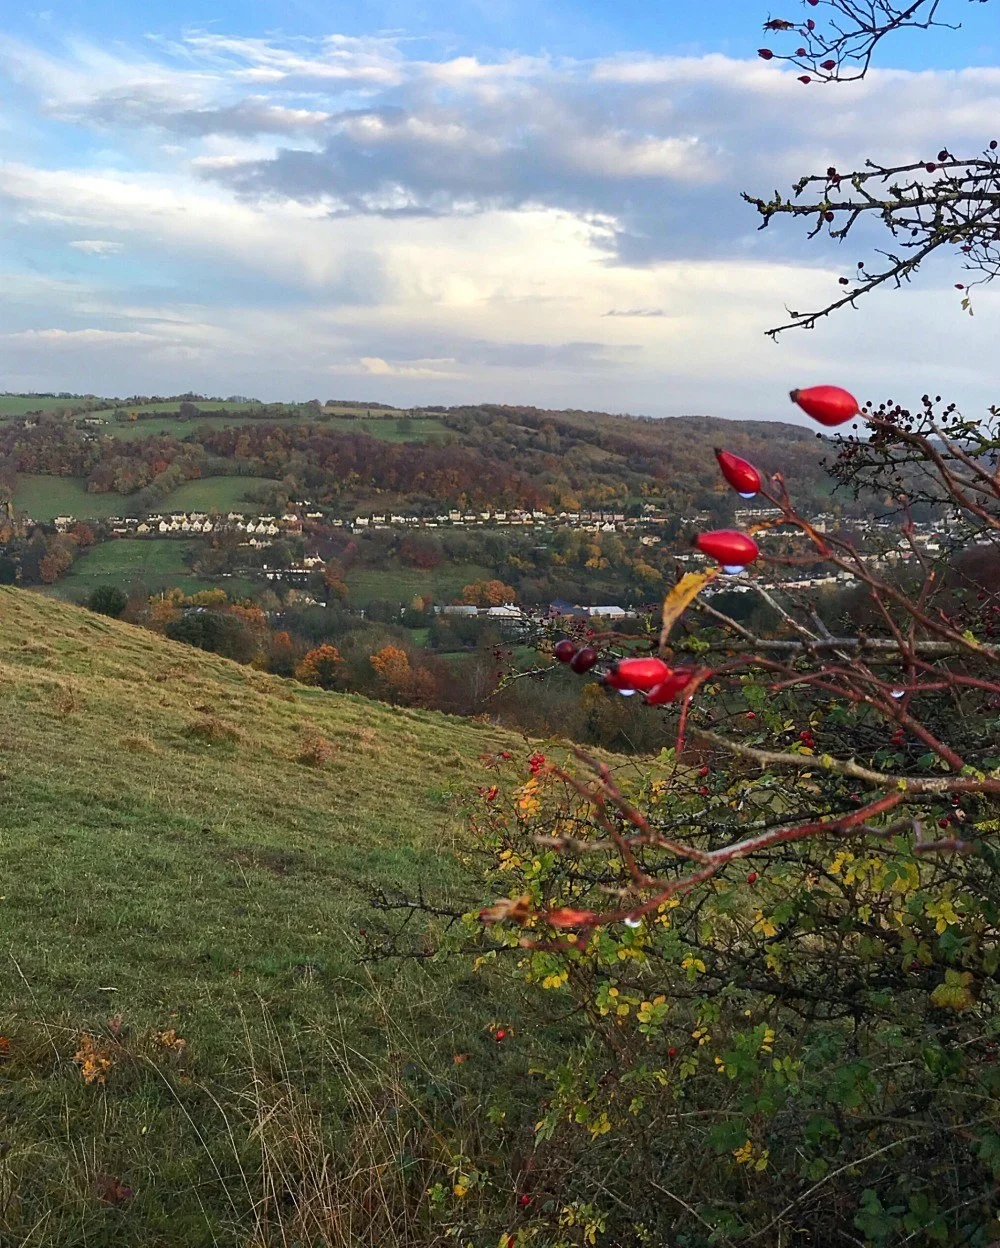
194	522
512	612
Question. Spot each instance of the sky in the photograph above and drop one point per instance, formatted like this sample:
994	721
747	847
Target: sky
486	201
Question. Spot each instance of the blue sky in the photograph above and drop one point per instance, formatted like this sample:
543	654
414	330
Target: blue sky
512	202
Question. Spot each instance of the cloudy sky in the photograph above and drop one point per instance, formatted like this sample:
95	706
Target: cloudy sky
490	200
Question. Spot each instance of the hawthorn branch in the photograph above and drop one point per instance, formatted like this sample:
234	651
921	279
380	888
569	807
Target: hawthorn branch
843	50
848	767
924	206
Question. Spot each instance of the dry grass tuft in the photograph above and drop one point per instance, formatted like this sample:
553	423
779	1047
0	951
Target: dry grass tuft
315	750
139	743
213	731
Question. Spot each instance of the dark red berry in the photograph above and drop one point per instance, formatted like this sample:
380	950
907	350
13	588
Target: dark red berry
752	877
765	54
564	650
583	660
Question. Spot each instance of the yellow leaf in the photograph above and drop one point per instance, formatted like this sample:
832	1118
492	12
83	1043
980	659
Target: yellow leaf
681	596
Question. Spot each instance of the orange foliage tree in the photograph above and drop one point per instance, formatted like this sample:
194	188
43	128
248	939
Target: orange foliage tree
488	594
320	667
402	681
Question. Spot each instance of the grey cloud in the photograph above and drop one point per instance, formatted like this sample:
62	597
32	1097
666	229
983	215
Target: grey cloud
643	312
665	153
660	147
144	106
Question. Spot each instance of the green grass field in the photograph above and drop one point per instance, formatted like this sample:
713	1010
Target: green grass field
44	497
403	584
18	404
154	563
107	413
389	430
180	428
169	866
386	430
222	493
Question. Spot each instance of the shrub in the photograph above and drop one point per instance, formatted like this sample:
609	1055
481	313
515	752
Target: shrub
315	750
217	632
108	600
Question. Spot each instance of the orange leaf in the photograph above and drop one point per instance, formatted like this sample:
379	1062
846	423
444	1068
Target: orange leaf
681	596
517	909
568	917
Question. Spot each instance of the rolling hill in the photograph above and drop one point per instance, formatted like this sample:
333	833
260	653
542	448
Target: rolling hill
181	892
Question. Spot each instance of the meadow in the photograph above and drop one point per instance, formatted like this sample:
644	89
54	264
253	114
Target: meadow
444	583
18	404
386	429
45	497
155	563
183	1008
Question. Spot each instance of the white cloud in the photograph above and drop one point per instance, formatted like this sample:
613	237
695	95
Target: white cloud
375	366
77	339
523	229
95	246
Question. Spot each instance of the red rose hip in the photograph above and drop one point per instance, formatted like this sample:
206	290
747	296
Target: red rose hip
669	688
741	475
828	405
564	650
734	550
641	674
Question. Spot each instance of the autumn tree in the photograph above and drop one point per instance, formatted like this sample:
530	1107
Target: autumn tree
320	666
392	664
400	679
491	593
334	582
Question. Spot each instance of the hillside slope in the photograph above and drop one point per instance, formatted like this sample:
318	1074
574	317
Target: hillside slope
109	783
165	858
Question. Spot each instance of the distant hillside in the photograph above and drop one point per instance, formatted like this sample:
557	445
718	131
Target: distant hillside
482	456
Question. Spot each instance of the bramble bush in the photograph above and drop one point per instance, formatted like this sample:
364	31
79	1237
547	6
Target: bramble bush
758	977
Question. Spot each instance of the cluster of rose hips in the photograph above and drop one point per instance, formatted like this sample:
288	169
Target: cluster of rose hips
580	658
732	550
652	677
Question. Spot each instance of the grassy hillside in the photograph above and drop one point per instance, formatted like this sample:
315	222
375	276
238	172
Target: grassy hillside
170	868
44	497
